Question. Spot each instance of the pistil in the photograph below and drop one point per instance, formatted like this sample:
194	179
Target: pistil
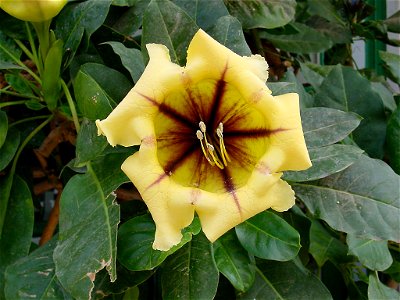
219	158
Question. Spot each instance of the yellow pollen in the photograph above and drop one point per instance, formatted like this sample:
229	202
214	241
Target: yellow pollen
209	149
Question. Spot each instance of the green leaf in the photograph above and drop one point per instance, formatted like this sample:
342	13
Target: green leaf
345	89
8	50
132	59
19	83
337	32
324	9
305	39
285	280
268	236
306	100
15	239
135	240
377	290
88	144
234	261
9	148
175	28
228	31
106	78
323	246
79	19
326	161
392	62
393	22
279	88
392	140
204	12
51	84
3	127
311	76
87	213
373	254
363	200
34	276
262	13
385	94
325	126
125	279
190	273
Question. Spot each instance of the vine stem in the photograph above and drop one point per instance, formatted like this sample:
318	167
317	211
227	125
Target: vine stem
71	105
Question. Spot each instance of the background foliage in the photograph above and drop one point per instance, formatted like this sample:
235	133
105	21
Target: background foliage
339	241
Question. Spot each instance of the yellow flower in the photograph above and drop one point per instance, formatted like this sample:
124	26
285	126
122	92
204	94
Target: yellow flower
33	10
213	140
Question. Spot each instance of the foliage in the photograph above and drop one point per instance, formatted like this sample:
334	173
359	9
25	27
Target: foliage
340	240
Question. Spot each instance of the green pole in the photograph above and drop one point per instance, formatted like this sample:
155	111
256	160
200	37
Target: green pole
372	47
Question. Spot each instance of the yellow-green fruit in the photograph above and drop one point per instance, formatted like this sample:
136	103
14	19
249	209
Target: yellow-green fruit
33	10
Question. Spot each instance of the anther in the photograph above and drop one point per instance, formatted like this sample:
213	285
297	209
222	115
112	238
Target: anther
202	126
211	151
199	135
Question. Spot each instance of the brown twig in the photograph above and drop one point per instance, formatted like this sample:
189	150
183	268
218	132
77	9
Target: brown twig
52	223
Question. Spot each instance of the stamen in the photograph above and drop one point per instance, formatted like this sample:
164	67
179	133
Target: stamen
211	151
224	153
200	136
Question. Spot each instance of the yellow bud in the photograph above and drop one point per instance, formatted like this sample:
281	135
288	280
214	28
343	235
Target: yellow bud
33	10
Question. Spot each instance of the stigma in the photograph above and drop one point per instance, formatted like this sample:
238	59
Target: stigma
216	156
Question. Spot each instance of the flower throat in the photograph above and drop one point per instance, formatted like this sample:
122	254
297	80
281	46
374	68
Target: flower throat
216	156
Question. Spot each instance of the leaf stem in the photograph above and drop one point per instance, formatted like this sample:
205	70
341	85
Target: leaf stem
71	105
21	64
9	103
28	120
3	91
26	50
38	63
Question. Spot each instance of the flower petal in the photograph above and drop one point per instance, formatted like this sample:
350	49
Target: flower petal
287	149
122	126
220	212
169	203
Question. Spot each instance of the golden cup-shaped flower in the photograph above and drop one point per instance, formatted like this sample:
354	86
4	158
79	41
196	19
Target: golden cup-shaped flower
213	140
33	10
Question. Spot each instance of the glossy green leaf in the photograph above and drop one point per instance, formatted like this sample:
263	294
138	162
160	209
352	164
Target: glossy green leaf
175	28
96	92
326	161
78	20
234	261
131	59
51	84
204	12
323	246
135	240
125	279
306	100
363	200
15	238
262	13
19	83
325	126
190	273
392	140
285	280
377	290
385	94
393	22
268	236
3	128
107	78
87	213
5	190
373	254
228	31
88	144
392	62
299	39
9	148
33	276
345	89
